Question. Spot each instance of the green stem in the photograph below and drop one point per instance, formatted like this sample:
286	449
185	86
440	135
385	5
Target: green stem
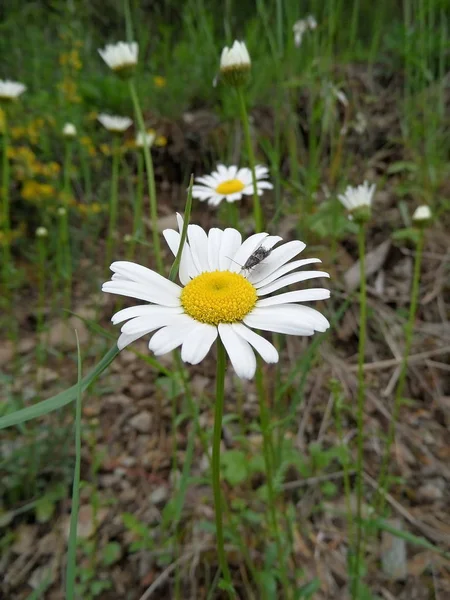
42	256
360	406
5	202
257	214
137	217
269	467
383	485
67	260
217	435
113	201
150	176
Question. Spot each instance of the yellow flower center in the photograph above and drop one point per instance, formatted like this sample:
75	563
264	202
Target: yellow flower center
218	297
232	186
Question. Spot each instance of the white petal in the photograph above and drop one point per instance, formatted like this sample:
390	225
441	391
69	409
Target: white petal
142	292
297	296
170	337
187	268
267	351
290	279
233	197
125	339
247	248
144	310
240	352
223	172
149	322
144	276
214	241
258	278
198	242
197	346
231	241
278	258
291	319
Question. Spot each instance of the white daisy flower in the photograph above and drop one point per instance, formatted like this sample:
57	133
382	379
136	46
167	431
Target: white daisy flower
113	123
357	197
230	184
301	27
69	130
41	232
218	297
235	63
10	90
422	214
146	139
121	57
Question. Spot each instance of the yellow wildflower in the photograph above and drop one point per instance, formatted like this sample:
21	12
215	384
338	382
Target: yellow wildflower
159	81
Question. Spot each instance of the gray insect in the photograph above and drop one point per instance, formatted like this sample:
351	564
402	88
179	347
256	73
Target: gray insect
256	258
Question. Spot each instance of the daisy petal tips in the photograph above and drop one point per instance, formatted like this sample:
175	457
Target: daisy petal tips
358	201
230	184
235	64
121	57
10	90
218	297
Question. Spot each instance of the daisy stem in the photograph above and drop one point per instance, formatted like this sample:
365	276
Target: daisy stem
137	217
66	238
360	407
113	200
5	201
217	435
269	466
383	484
42	257
150	176
257	214
187	215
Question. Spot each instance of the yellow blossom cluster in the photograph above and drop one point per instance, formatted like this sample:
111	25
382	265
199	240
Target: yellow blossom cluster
89	209
27	166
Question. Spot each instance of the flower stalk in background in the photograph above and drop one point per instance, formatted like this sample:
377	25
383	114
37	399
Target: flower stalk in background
122	58
422	218
69	133
235	69
358	202
41	241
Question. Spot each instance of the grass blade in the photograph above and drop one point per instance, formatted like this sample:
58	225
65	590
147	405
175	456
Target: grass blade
72	548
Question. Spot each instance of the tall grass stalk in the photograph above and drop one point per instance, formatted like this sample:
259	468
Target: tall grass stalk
383	483
360	409
5	214
257	213
113	200
150	176
41	242
269	463
66	249
72	548
138	202
217	492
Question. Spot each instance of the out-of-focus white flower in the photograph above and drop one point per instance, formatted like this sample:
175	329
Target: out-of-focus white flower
218	297
360	123
41	232
121	57
69	130
357	197
10	90
230	184
235	63
61	211
301	27
422	214
146	139
113	123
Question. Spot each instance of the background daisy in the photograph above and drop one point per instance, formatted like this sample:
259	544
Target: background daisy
230	184
218	297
